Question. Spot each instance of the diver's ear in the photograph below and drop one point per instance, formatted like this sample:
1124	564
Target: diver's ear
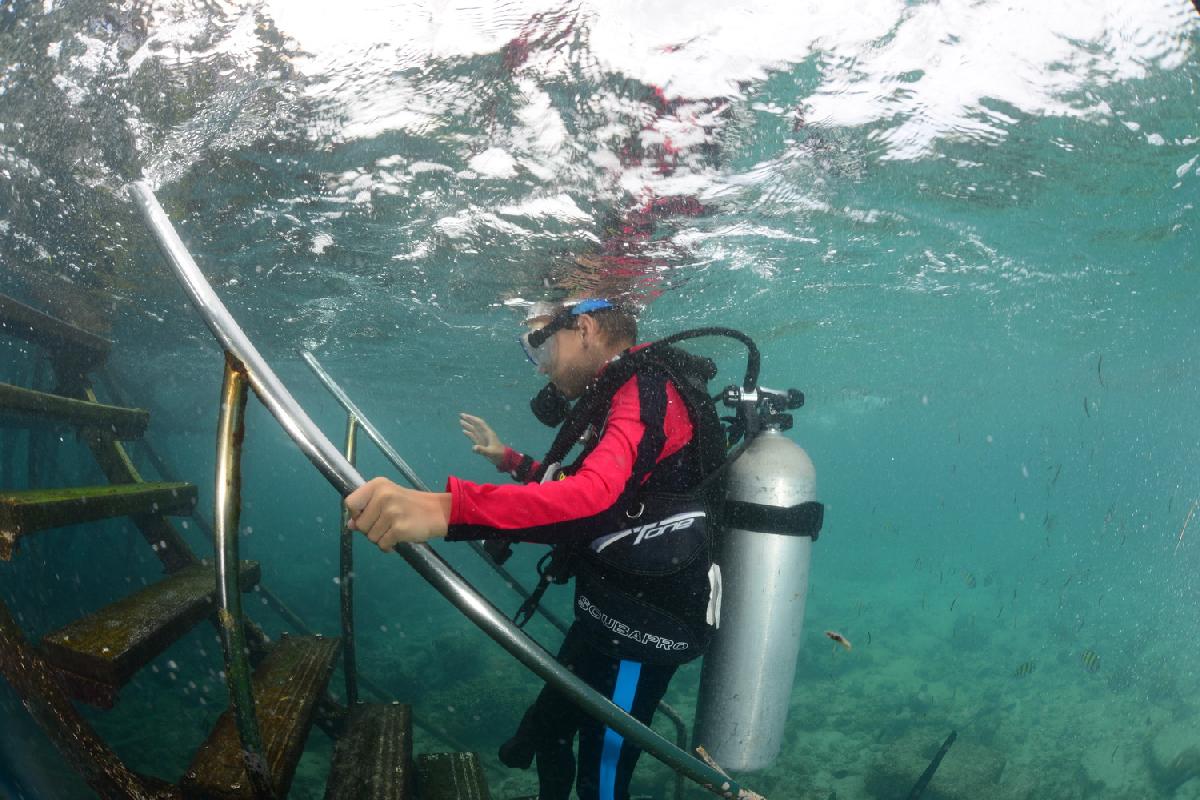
588	328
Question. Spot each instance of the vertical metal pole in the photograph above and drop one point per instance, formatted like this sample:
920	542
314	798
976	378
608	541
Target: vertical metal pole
349	663
231	431
681	740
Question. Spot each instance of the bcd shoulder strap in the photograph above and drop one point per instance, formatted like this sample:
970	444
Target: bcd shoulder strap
690	375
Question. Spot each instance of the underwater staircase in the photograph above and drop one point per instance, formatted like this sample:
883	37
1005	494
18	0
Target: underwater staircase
89	660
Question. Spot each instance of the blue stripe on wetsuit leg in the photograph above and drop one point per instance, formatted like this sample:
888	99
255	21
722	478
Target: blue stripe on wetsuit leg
623	694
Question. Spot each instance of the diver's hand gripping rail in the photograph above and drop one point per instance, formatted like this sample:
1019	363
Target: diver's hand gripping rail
345	478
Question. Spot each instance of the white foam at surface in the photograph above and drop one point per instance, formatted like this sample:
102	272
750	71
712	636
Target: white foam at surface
494	162
417	167
468	221
559	207
924	73
174	37
320	243
951	65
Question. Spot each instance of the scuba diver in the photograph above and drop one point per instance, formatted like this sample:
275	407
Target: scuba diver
627	518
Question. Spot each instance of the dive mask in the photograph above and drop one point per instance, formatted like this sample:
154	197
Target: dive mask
539	347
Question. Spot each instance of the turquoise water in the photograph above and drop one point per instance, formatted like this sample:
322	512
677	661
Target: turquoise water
967	231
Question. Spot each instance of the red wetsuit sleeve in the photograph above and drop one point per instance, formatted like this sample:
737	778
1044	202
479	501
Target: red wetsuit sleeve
646	422
520	466
510	460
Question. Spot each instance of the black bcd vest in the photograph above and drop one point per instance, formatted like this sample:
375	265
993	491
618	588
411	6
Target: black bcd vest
642	586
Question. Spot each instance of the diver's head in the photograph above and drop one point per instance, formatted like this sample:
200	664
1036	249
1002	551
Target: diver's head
573	345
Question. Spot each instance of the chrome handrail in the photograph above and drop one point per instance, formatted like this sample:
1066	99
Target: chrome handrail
354	414
346	579
231	431
421	557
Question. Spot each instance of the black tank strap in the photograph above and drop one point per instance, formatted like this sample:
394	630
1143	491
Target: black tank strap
804	519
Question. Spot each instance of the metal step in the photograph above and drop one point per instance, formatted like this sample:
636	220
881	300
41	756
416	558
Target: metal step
26	408
26	512
451	776
81	349
108	647
373	758
286	687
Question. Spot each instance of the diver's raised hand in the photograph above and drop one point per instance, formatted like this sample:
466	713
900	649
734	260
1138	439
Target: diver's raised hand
485	440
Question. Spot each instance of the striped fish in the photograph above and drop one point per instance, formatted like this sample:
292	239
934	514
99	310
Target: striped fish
1091	661
1025	669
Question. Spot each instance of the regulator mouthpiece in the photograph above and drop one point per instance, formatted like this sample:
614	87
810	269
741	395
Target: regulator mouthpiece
550	406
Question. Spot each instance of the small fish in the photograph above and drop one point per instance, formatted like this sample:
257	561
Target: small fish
1026	668
842	640
969	579
1098	363
1091	661
1085	407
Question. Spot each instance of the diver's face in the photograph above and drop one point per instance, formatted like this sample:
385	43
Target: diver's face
570	369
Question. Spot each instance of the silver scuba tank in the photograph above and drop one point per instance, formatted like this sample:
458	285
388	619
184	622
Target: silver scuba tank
746	681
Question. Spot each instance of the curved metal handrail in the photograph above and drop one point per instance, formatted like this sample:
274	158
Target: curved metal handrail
345	478
354	415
